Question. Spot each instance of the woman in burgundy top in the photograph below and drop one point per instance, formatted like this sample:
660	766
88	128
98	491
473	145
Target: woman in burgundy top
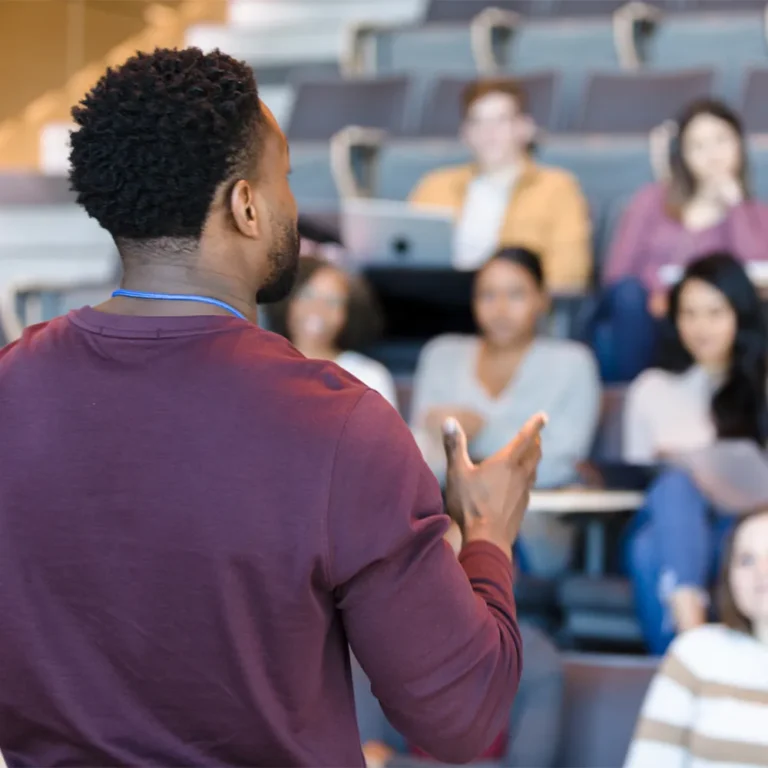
704	206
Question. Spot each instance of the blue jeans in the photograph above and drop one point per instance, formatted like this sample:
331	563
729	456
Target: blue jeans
621	331
676	540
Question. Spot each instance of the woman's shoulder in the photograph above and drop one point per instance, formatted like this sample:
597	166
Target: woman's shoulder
718	653
652	382
371	372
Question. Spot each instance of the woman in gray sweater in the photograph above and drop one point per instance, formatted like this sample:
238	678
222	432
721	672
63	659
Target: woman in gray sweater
493	382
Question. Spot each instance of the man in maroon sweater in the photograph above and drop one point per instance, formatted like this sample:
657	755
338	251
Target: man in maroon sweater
196	522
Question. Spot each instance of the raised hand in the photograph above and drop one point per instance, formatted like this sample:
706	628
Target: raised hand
488	500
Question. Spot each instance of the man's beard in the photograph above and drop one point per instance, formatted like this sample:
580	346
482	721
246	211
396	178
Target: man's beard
284	264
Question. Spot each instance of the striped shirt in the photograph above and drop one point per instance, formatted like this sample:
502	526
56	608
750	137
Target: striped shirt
707	706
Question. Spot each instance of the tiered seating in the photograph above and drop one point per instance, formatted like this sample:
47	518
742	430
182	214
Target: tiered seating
754	104
574	49
440	116
466	10
731	41
44	235
419	51
621	103
399	165
325	107
583	78
322	109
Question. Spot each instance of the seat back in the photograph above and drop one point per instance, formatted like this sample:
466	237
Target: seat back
441	112
400	164
612	215
723	6
49	226
758	158
730	41
581	8
608	440
322	108
431	50
594	160
603	698
466	10
638	102
574	48
754	104
312	180
34	189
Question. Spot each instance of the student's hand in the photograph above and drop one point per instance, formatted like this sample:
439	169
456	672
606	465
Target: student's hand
658	303
724	191
471	422
489	499
376	754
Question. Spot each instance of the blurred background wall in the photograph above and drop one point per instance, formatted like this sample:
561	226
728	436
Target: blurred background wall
52	51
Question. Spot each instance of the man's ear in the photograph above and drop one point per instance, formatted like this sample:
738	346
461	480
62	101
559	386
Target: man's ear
245	210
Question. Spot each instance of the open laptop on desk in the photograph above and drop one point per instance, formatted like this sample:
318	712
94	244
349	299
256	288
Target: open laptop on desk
391	233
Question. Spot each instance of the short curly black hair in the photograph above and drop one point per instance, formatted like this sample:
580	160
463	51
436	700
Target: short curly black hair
365	319
158	135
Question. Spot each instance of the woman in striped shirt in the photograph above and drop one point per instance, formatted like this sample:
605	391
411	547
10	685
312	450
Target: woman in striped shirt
708	704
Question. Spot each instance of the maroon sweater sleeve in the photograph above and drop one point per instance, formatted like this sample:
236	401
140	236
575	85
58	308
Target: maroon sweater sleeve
439	640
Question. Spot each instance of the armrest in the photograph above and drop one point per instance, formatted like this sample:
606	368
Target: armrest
659	141
632	24
358	56
355	138
482	29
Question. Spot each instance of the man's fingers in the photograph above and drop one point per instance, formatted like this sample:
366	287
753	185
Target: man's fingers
455	444
524	440
530	460
531	430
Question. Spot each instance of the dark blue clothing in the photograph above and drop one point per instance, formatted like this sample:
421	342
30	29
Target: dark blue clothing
676	540
621	331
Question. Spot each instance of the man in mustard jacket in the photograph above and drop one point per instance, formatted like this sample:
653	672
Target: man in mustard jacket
503	198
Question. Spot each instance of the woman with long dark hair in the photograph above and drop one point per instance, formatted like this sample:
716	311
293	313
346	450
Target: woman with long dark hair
704	205
710	387
708	704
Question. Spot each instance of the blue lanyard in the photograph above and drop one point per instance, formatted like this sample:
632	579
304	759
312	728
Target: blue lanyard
179	297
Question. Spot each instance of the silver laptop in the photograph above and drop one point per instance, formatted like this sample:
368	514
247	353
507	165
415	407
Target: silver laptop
393	234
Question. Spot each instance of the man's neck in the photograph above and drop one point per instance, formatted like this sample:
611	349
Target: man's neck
183	280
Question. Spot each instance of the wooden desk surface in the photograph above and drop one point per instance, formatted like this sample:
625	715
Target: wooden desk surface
584	501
